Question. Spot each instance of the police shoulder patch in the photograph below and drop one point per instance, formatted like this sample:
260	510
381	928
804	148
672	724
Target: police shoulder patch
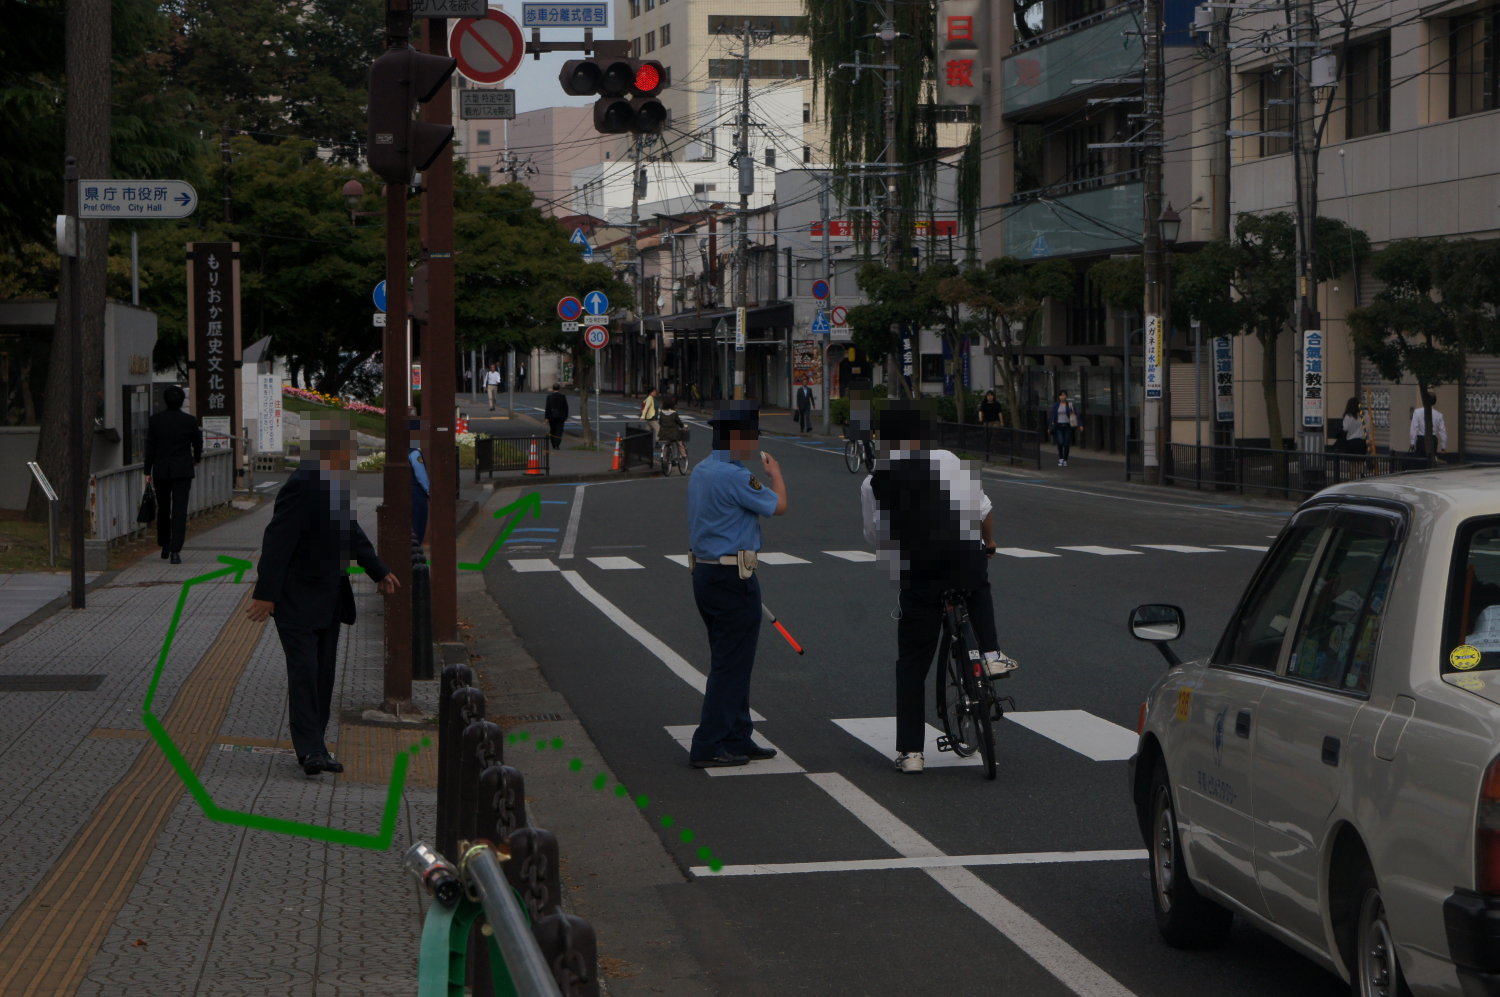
754	483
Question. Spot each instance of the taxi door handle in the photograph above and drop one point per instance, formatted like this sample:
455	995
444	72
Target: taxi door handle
1242	723
1331	751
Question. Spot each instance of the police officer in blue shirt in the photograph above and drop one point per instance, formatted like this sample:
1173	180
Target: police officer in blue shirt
725	503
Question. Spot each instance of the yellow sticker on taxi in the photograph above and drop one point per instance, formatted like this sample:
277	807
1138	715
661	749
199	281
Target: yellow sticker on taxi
1464	657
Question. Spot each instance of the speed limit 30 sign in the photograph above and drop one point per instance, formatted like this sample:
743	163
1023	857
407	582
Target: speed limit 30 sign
596	336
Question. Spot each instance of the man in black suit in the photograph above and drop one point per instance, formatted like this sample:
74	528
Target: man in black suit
174	444
804	408
556	413
302	582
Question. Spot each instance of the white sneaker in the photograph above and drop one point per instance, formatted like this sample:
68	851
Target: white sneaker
1061	462
909	762
1000	666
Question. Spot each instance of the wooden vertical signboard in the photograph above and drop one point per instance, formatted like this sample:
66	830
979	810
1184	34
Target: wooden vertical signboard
214	341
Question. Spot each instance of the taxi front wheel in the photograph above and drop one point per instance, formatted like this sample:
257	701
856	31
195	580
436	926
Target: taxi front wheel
1184	918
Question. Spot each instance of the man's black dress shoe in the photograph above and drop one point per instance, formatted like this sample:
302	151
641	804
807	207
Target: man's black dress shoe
165	553
175	558
329	765
759	753
724	759
313	765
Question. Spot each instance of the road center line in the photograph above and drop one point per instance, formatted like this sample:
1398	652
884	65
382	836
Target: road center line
927	862
570	540
1071	967
676	663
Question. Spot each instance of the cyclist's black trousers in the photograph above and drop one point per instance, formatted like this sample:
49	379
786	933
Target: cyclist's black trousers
916	644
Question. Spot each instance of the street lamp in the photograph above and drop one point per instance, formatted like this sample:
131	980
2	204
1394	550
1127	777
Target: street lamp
1170	224
354	192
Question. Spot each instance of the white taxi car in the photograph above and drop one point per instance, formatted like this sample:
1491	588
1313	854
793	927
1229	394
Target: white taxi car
1331	772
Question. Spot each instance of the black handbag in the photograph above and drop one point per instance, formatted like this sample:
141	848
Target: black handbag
147	513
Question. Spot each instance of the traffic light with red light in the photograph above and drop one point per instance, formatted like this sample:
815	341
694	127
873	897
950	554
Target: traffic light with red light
627	90
398	145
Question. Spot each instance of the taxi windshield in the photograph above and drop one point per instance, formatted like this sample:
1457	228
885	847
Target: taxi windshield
1472	635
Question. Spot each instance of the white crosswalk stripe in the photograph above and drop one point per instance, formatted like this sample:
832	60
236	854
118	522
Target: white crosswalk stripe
1246	547
772	557
681	559
1091	736
852	555
1180	548
880	734
1102	551
1023	552
525	564
615	563
780	765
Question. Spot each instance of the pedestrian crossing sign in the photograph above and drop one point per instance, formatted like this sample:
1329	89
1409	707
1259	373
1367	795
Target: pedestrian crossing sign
820	326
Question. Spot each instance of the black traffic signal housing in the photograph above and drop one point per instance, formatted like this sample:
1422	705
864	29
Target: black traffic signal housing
398	145
627	90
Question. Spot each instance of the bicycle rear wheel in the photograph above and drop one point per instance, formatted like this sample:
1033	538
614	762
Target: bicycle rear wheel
952	706
981	699
853	456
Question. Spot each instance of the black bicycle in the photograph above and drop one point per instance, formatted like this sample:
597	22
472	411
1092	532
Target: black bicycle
966	701
859	453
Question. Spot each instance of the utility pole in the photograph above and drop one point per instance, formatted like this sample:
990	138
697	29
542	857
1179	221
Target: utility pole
440	349
825	344
224	157
746	168
1305	156
1157	331
635	255
1220	88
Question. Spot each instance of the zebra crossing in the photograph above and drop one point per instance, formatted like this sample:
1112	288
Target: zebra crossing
618	562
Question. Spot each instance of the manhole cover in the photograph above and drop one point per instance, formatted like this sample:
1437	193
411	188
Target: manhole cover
50	683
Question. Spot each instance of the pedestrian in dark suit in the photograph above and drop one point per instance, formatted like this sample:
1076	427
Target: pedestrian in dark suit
556	413
804	408
302	582
174	445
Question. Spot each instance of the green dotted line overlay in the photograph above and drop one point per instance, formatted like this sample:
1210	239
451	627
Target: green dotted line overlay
601	782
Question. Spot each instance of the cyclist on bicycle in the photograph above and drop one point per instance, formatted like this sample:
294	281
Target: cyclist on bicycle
672	430
928	516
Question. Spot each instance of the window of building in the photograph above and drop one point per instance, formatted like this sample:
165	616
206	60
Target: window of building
1077	10
1473	62
733	24
1087	315
666	35
650	4
651	41
635	8
1367	89
770	157
1275	112
806	113
760	69
635	48
483	137
704	188
807	153
484	171
1084	167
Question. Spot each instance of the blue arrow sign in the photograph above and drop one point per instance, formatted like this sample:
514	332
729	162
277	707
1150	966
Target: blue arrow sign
820	326
379	295
597	302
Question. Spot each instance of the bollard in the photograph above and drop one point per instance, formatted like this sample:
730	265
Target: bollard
454	677
572	953
464	706
482	745
502	802
533	870
421	620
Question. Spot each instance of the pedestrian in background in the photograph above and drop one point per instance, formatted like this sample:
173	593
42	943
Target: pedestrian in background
804	407
174	446
556	414
1352	431
1063	418
521	376
421	484
1419	427
725	503
651	415
989	411
493	382
301	581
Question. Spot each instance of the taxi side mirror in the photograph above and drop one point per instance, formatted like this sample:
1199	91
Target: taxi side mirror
1158	623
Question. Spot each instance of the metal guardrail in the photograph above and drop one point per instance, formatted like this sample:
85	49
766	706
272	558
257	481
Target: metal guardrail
1019	446
635	447
511	453
530	946
115	495
1289	474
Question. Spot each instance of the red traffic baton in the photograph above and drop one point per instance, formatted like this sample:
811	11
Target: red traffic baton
777	624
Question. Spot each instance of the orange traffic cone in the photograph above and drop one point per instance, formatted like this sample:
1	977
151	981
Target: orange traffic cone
533	464
616	466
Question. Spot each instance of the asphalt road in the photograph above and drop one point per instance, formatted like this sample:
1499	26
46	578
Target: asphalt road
840	874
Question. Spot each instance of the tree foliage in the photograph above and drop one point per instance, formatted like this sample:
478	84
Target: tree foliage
1439	304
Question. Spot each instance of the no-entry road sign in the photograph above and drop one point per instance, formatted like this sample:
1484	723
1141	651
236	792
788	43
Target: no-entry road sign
489	48
596	336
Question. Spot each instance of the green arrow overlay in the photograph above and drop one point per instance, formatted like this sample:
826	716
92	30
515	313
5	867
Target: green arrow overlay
381	839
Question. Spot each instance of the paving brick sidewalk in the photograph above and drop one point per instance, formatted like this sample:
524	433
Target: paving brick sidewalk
172	902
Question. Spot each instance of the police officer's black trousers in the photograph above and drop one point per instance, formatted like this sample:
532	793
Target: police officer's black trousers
731	610
916	646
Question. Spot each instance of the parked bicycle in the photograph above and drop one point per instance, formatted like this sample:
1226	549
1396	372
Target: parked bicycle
966	699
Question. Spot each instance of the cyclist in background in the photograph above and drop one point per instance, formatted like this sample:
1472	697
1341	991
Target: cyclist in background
926	513
672	430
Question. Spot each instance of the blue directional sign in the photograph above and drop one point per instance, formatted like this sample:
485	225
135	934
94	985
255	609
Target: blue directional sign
379	295
597	302
820	326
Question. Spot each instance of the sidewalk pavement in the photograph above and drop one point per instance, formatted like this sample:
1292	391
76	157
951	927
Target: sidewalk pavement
116	882
23	593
